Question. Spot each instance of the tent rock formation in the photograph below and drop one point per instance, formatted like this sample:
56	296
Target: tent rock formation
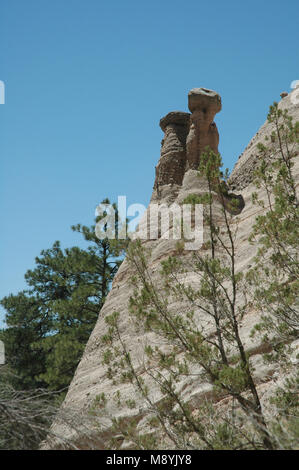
185	137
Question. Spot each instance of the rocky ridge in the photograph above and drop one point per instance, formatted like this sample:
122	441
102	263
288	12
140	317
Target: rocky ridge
185	137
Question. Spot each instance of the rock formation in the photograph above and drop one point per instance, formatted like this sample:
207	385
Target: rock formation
171	166
242	174
203	104
185	138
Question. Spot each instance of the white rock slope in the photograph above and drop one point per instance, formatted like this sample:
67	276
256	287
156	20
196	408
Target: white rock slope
176	177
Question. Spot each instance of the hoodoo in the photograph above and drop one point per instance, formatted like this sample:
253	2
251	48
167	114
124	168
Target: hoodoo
203	104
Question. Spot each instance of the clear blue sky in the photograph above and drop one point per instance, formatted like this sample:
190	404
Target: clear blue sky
86	84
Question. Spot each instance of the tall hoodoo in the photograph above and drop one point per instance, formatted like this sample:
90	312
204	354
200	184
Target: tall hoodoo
204	105
171	167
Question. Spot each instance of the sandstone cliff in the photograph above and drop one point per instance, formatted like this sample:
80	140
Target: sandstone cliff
185	136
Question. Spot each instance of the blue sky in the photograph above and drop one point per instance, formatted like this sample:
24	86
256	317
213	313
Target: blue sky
86	84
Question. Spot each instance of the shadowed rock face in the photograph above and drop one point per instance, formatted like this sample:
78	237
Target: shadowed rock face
171	167
243	172
204	104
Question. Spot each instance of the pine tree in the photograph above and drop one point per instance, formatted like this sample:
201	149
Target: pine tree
215	355
275	274
50	322
218	357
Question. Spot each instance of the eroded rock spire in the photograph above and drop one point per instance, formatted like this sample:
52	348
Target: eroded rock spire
186	136
171	166
203	104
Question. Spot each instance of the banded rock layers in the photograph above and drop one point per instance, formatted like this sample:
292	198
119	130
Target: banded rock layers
185	137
